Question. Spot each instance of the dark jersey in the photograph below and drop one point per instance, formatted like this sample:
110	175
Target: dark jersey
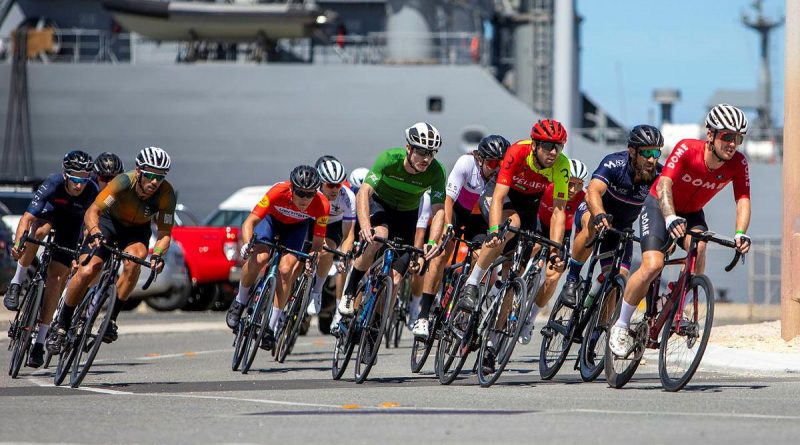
623	198
52	200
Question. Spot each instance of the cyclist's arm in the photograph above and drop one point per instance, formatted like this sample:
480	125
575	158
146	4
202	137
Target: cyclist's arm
496	209
437	222
316	243
558	220
665	202
24	224
448	210
91	219
419	237
349	233
249	225
742	215
163	240
362	205
594	196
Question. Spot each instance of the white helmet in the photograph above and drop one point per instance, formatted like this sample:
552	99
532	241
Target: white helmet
577	169
153	157
358	175
331	171
423	135
726	117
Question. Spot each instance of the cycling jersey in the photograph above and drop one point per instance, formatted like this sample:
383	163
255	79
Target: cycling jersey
546	207
465	184
401	189
518	170
52	198
693	184
343	208
277	202
121	202
623	198
424	213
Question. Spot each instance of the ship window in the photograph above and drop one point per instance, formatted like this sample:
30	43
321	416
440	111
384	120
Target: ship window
435	104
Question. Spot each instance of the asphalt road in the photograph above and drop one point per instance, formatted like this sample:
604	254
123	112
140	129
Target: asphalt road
178	388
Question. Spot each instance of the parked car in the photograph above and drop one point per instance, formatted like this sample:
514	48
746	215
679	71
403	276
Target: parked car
171	288
7	264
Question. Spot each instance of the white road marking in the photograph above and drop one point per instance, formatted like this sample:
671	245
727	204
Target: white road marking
685	414
182	354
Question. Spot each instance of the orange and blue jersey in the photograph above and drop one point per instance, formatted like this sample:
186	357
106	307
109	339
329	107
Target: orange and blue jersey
277	203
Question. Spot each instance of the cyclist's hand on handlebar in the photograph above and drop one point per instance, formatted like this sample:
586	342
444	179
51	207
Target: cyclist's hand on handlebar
676	226
431	250
557	262
244	252
742	242
96	239
17	251
493	240
416	266
157	262
340	266
600	221
367	234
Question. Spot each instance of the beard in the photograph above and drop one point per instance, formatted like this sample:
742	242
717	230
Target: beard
645	175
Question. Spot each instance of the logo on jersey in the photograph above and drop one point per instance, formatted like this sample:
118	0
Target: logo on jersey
710	185
437	195
373	177
294	213
613	163
560	195
109	201
676	155
264	202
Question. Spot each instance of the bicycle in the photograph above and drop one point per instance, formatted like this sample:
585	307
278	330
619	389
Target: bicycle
568	325
83	338
24	326
453	280
291	322
399	314
685	316
254	323
368	324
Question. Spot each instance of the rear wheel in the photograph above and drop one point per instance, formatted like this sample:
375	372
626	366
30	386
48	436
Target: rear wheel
619	370
345	342
683	341
70	351
556	339
24	326
454	346
373	330
591	356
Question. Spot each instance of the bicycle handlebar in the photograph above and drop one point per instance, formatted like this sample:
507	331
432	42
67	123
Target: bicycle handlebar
708	236
25	238
626	234
126	256
302	255
407	247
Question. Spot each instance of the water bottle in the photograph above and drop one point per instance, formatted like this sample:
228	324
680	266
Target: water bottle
587	303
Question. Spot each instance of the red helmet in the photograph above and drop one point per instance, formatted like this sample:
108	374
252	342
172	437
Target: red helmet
549	130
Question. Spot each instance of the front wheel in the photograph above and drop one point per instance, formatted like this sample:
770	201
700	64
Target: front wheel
619	370
259	323
685	335
374	327
91	339
24	325
503	334
556	339
591	356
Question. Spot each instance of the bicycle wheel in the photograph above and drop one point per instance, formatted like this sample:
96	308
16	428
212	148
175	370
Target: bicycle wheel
421	348
295	319
683	341
503	338
591	355
258	323
619	370
91	339
556	339
345	342
70	351
24	327
454	345
391	326
373	330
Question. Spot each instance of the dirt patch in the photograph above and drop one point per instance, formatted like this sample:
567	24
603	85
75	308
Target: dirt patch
764	337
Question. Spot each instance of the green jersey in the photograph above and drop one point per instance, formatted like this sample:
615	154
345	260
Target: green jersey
401	189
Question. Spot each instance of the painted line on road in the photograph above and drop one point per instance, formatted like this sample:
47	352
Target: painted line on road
682	414
156	356
49	383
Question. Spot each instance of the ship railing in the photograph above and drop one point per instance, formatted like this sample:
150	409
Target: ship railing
437	48
84	46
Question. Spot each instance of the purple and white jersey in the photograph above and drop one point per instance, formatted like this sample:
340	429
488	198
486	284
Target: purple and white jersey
343	208
465	185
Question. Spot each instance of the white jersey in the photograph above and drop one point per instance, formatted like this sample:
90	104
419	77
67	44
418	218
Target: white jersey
424	212
465	185
343	208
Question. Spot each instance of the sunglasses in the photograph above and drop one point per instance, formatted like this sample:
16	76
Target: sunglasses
730	136
305	194
425	152
106	178
153	176
650	153
77	179
550	146
491	164
333	186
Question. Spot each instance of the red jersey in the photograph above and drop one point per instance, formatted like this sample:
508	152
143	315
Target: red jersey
546	207
693	184
277	202
518	171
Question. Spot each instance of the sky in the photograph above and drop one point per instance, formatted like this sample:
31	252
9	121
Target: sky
630	47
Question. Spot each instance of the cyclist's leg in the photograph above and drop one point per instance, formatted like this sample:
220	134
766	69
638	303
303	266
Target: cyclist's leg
697	222
488	255
584	231
379	219
39	229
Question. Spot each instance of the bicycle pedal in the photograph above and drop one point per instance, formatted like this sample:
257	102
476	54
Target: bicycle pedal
547	332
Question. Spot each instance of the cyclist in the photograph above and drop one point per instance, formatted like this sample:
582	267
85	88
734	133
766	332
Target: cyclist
122	213
357	177
59	204
575	196
465	185
106	167
340	231
528	167
285	211
695	171
388	202
618	189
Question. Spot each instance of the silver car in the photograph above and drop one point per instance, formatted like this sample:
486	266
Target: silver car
172	287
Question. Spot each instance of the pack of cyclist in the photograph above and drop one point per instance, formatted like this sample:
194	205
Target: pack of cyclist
408	197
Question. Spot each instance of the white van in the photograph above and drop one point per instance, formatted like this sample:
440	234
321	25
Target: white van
234	209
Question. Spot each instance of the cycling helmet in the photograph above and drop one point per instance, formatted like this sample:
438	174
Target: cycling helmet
726	117
107	164
331	170
493	147
423	135
305	177
153	157
645	136
77	161
549	130
577	169
358	175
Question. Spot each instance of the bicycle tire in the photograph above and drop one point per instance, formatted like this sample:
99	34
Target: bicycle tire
620	370
556	339
107	302
673	377
259	323
506	345
591	355
453	345
22	345
384	291
294	320
345	343
70	351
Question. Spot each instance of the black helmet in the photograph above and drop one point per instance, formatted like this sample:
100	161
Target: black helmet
645	136
493	147
305	177
77	161
107	164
